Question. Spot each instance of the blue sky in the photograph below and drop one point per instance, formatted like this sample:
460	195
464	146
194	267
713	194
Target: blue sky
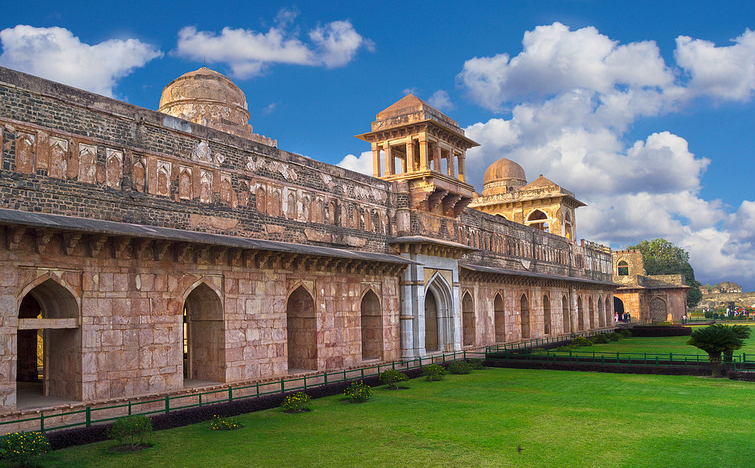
643	109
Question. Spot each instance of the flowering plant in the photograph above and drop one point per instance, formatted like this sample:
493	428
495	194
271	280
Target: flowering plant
296	403
358	392
391	377
21	448
224	424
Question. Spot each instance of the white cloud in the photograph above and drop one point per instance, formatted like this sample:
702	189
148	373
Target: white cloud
441	100
248	53
572	96
722	72
56	54
361	163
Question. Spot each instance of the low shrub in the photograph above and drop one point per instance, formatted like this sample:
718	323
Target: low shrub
625	332
24	448
581	341
296	403
600	339
476	364
433	372
224	424
131	430
615	336
358	392
459	367
392	377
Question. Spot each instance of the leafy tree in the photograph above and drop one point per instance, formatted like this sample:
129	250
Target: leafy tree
715	340
661	257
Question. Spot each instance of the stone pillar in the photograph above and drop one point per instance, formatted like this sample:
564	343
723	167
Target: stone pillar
375	160
423	149
462	172
412	317
436	158
410	155
389	163
451	163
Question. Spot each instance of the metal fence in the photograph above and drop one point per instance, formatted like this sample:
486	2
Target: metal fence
90	415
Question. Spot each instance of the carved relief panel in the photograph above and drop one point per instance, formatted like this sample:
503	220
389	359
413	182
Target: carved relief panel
25	152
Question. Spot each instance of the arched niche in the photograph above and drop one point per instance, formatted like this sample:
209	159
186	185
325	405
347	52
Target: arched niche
372	326
301	331
203	335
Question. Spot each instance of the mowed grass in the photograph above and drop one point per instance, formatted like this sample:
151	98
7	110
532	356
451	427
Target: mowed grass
664	345
558	418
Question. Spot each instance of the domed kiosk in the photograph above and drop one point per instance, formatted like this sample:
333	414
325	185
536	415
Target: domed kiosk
209	98
503	176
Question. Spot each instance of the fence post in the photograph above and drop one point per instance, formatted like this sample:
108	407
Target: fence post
230	393
167	404
305	382
283	385
393	366
88	416
325	378
258	389
41	422
200	399
129	407
362	369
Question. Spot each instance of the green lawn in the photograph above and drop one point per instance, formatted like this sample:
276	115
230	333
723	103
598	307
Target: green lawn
560	419
664	345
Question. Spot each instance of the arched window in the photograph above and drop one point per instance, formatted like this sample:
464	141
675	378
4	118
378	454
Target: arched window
372	327
538	220
468	319
525	310
623	268
499	317
302	331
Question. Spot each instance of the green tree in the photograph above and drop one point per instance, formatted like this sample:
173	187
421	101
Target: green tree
661	257
715	340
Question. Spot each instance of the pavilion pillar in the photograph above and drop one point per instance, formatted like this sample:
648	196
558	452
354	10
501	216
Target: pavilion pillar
410	155
375	160
462	171
423	149
390	164
436	158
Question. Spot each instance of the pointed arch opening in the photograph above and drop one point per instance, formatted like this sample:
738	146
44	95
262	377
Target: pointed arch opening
468	317
301	331
623	268
591	313
48	346
203	336
618	308
566	315
538	220
609	313
658	310
601	315
372	327
439	327
525	313
580	315
499	317
546	315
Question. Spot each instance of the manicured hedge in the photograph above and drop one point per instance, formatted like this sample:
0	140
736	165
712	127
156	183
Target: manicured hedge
653	331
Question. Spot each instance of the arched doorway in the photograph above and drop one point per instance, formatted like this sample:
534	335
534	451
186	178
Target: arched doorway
467	313
618	307
372	327
301	331
48	346
580	315
601	315
546	315
658	310
525	311
591	314
439	319
500	319
203	336
566	315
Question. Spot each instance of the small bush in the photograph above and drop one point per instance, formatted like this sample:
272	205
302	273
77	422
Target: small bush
459	367
476	364
358	392
296	403
131	430
615	336
581	341
600	339
391	377
23	448
625	332
433	372
224	424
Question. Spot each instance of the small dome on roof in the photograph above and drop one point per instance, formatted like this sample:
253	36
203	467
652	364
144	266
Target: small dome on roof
503	176
208	98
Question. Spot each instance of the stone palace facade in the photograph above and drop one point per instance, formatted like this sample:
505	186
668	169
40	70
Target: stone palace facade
144	251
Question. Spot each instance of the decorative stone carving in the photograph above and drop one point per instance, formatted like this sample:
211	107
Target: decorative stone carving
163	177
113	168
185	191
87	163
139	175
25	152
205	186
202	152
58	158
